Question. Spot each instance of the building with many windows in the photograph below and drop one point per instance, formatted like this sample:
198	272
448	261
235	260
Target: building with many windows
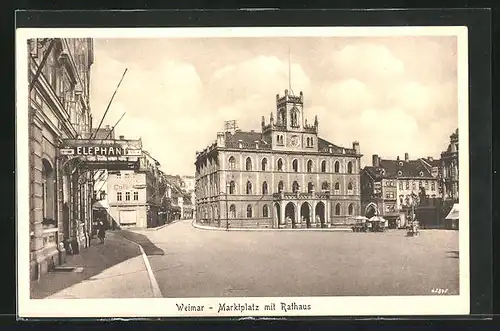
134	197
284	176
60	191
449	166
392	187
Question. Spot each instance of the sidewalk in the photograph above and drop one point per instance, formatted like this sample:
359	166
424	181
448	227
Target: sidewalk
113	270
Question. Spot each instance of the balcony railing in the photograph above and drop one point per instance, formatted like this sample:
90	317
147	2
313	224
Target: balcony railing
301	195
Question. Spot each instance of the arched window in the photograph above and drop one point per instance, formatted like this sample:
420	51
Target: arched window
350	209
280	186
249	211
309	166
232	211
295	165
337	167
323	166
310	187
280	165
349	187
249	187
349	167
232	162
264	188
337	209
264	164
295	187
248	164
325	186
337	187
48	192
308	142
265	211
232	187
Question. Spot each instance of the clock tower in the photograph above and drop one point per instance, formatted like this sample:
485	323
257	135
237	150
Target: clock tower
290	129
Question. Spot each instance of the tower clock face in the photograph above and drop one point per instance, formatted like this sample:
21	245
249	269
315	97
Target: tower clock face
294	141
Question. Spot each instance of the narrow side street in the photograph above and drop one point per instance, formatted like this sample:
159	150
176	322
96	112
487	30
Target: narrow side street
115	269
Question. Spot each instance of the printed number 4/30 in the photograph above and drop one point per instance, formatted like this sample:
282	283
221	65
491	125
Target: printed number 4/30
439	291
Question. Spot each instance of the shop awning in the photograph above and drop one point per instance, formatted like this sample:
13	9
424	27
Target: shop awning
453	214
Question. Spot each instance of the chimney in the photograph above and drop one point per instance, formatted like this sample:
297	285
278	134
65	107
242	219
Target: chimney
397	158
122	137
430	158
240	143
407	157
221	139
375	160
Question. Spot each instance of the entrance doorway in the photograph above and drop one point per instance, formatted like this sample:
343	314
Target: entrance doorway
305	214
290	213
320	212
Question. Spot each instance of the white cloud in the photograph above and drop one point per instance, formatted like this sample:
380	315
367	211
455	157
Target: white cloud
366	61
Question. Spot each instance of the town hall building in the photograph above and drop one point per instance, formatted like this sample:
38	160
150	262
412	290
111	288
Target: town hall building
285	176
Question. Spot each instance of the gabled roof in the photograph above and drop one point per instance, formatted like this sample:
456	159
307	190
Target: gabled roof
399	168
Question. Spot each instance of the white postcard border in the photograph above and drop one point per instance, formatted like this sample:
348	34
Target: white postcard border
166	307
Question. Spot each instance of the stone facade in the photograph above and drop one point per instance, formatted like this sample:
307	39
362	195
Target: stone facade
391	187
285	176
449	165
60	195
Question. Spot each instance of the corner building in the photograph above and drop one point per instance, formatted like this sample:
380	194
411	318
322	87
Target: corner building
285	176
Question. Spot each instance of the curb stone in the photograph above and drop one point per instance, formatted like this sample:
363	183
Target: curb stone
203	227
152	279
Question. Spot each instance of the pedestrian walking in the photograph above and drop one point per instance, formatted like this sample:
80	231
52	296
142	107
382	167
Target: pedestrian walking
101	232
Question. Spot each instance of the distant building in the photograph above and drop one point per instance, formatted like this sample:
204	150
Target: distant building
392	187
449	166
284	176
134	197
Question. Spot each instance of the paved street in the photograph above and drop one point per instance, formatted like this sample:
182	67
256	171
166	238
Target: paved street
199	263
113	270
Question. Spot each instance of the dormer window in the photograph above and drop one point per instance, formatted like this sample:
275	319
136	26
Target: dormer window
399	173
382	172
421	173
400	163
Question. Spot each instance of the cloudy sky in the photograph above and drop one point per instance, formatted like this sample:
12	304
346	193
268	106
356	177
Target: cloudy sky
392	94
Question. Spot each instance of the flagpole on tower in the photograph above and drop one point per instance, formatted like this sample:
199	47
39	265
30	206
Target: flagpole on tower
289	70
